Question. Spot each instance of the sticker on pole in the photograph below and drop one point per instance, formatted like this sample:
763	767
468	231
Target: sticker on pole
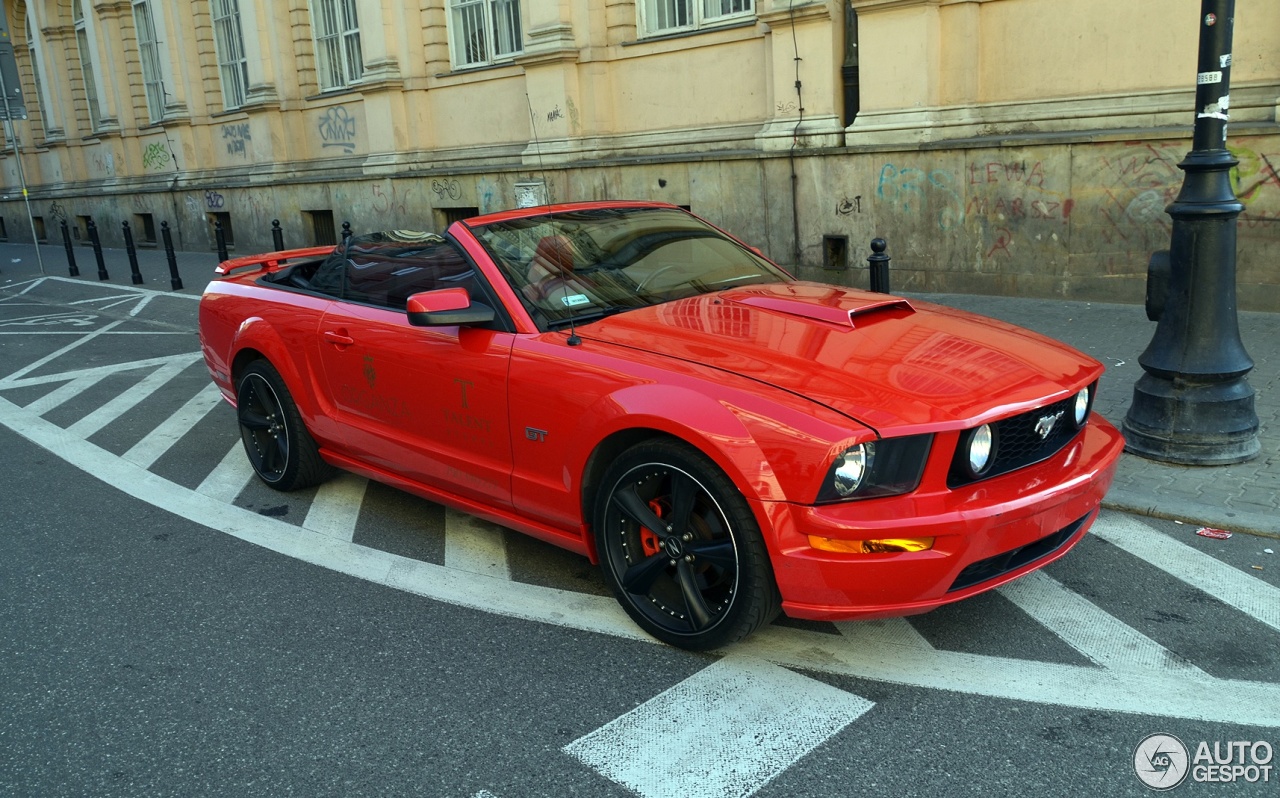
1205	78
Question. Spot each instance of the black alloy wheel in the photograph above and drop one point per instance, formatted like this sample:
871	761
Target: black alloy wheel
281	451
680	548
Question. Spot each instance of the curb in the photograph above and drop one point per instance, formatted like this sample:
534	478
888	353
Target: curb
1171	509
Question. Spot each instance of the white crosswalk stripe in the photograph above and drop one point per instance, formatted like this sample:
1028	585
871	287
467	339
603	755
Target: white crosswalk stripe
124	402
724	732
336	508
163	437
1246	593
1088	629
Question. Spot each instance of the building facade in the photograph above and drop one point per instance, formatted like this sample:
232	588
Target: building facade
1000	146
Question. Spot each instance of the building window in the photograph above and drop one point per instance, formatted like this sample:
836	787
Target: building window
149	50
144	227
42	235
229	42
35	48
323	232
670	16
338	52
221	221
86	64
485	31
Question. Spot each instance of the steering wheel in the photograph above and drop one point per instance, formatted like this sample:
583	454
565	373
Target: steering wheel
653	275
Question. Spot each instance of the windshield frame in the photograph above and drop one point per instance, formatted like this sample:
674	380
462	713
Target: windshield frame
574	266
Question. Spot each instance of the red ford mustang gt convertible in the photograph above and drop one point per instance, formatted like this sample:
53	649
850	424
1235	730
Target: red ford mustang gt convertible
628	382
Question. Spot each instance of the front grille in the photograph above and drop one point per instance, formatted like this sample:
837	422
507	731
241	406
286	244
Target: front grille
991	567
1017	443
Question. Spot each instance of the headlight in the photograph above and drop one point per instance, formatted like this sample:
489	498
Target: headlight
1080	410
876	468
850	468
981	444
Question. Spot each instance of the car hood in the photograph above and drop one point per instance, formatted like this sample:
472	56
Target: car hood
887	362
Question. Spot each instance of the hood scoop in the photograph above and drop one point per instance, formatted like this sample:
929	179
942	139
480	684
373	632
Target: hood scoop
841	316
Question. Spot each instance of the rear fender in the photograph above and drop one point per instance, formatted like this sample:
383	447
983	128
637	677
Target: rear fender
255	338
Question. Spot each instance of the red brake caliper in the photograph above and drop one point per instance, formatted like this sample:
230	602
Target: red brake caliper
648	538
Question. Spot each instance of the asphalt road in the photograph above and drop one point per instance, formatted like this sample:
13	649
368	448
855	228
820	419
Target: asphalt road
170	627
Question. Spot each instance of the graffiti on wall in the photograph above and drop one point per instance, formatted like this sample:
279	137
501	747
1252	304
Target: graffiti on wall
237	138
214	200
1257	185
155	157
447	188
337	128
396	201
910	190
486	195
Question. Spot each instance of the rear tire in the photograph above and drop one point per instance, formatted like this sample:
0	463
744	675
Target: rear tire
681	549
283	454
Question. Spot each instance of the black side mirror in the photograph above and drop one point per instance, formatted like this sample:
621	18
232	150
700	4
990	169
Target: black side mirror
446	307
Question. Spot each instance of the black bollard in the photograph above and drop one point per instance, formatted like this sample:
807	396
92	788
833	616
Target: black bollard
174	279
221	237
135	274
277	235
346	231
72	269
878	263
97	250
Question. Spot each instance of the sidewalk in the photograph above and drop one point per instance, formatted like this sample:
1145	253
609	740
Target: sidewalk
1240	498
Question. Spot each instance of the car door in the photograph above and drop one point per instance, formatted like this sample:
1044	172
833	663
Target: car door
424	403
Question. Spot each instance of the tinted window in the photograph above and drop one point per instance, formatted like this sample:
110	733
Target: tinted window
385	269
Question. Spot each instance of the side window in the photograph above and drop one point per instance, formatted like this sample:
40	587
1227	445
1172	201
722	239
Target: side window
388	276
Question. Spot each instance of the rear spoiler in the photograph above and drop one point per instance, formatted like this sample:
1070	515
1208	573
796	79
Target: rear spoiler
271	260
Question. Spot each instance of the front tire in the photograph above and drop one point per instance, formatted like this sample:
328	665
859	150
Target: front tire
681	549
283	454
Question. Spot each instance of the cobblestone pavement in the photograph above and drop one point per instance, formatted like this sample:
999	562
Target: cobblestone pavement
1243	497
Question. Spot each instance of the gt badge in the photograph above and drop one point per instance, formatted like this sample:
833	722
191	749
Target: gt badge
1046	424
534	434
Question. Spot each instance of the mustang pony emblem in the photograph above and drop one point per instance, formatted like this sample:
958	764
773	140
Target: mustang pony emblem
1046	424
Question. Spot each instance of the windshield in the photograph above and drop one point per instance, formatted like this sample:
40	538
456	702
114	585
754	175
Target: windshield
579	266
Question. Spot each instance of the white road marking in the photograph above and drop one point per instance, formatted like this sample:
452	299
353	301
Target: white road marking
475	546
163	437
124	402
1156	692
336	508
724	732
230	477
1085	627
16	381
13	378
1241	590
59	396
883	631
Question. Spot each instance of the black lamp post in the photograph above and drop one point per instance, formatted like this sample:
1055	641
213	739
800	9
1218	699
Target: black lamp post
1194	405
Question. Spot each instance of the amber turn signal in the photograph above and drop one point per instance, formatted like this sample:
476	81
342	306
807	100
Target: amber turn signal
870	546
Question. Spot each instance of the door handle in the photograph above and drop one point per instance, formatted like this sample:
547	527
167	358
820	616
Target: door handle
338	337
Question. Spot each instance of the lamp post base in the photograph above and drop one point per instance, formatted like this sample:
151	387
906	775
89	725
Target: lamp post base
1205	424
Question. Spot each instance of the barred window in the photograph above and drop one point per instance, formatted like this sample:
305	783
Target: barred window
338	52
669	16
229	42
149	51
86	64
485	31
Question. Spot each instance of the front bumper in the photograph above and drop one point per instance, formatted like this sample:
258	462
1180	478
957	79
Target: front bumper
986	534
